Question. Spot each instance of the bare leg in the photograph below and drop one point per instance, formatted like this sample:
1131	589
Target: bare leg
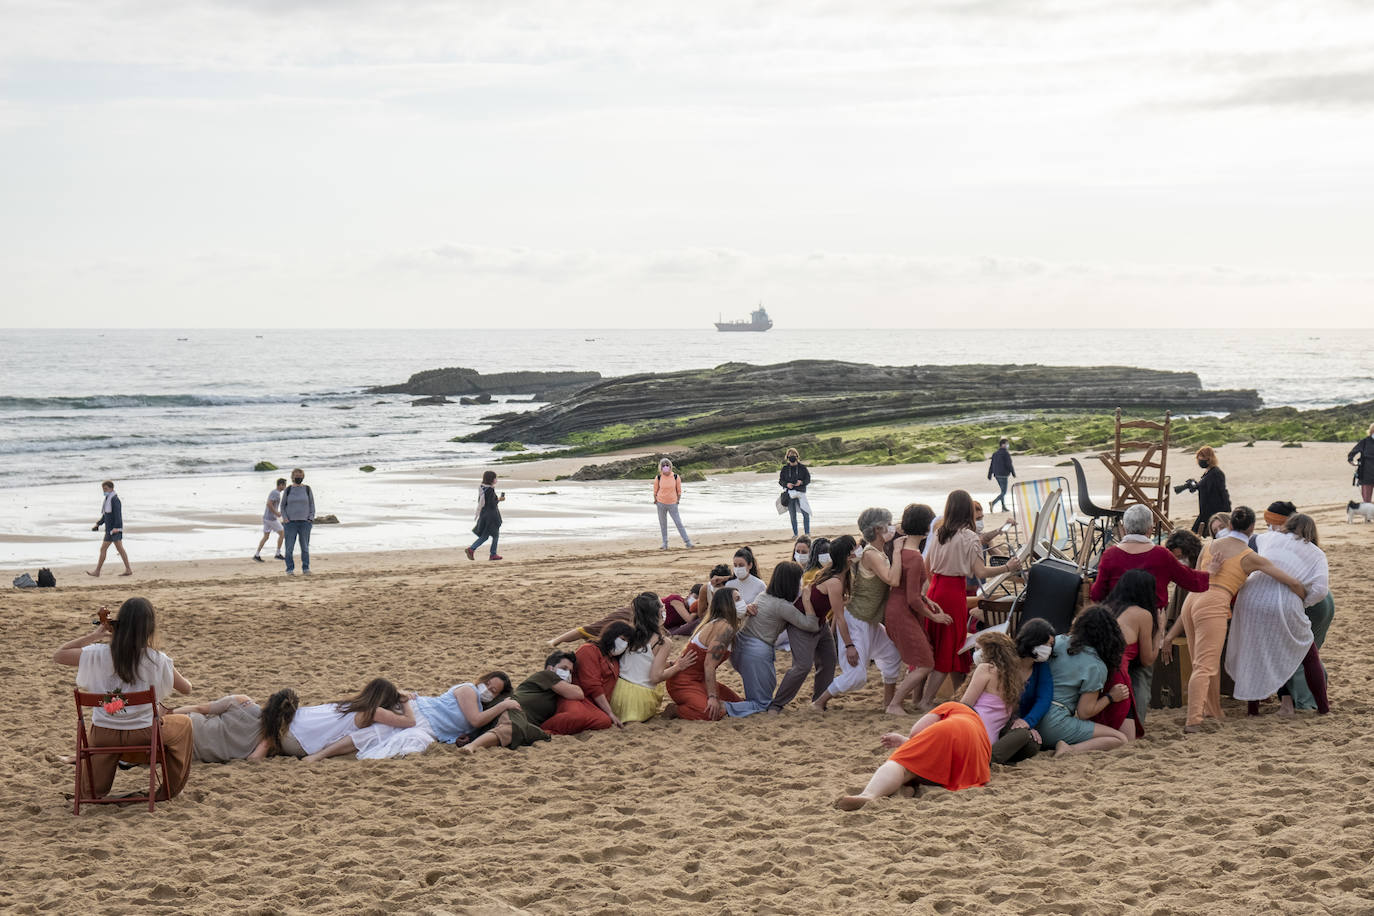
343	746
889	693
1103	739
1286	705
490	739
908	687
265	536
128	570
886	780
934	682
104	549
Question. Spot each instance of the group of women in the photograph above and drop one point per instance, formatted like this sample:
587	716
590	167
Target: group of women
900	598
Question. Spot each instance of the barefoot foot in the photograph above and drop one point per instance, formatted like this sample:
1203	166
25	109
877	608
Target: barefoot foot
1063	749
96	573
895	711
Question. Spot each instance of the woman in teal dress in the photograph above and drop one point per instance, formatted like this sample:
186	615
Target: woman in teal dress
1078	667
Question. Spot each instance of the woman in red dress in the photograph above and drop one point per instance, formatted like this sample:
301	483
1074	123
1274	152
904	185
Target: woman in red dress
908	608
692	678
954	555
1130	601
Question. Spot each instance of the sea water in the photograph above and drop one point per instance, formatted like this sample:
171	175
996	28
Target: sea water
179	418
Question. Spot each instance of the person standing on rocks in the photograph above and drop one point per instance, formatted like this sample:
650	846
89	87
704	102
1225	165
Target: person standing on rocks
1002	470
488	516
794	478
667	495
112	517
298	513
271	521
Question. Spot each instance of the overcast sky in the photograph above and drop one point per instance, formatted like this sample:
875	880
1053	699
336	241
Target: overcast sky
585	164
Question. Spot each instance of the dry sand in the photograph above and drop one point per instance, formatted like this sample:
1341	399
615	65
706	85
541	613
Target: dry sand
1257	815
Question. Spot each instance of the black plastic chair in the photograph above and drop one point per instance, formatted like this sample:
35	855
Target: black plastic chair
1099	519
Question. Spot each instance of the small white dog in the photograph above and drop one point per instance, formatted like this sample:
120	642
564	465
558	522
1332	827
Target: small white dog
1362	510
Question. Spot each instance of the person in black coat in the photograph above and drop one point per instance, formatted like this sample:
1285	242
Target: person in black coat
793	478
488	516
1212	495
1362	456
112	517
1001	468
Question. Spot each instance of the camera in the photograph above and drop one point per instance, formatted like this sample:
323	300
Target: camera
1190	485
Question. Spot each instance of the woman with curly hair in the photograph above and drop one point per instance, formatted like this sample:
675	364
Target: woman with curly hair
1131	600
1079	666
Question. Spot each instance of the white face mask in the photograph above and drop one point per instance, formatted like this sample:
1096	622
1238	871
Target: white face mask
741	572
977	657
663	616
978	525
741	610
620	645
563	674
1042	653
801	558
484	693
823	559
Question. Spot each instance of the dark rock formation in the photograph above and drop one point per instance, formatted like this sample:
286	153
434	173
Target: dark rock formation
824	394
431	401
545	386
264	466
482	398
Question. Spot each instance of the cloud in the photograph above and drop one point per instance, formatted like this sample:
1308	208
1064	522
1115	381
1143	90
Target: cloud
1342	89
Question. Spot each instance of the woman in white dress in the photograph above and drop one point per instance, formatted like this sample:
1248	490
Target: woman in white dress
320	730
1270	634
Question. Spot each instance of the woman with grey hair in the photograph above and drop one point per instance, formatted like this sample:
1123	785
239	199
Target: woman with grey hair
1136	550
860	628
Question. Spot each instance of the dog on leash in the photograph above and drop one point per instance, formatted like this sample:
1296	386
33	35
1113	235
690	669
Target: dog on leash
1361	510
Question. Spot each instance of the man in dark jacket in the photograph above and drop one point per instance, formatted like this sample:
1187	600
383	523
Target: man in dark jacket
112	517
1362	456
1001	468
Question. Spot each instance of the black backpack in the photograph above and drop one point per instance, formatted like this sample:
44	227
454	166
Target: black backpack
46	578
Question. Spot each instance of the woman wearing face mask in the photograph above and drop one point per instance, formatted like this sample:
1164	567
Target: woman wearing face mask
954	555
860	628
1019	739
754	656
801	551
596	671
667	496
1131	600
451	718
746	571
794	478
827	579
638	691
692	678
907	607
1212	495
537	698
1079	667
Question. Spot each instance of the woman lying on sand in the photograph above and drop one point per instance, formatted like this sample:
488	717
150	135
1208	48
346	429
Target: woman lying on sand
536	700
596	671
236	728
320	730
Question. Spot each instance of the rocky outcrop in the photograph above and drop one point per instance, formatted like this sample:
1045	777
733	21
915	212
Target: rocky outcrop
431	401
545	386
823	394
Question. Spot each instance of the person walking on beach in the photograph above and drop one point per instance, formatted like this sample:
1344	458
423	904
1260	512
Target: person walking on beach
488	516
1362	456
794	478
1001	469
298	513
271	521
667	495
112	517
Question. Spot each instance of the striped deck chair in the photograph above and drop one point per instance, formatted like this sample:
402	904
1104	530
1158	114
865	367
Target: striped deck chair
1028	497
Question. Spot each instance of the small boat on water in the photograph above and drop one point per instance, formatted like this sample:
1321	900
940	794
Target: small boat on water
758	321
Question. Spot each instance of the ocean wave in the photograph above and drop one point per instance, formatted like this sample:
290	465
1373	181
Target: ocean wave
126	401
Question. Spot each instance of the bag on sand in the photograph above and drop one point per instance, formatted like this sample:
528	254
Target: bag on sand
46	579
24	580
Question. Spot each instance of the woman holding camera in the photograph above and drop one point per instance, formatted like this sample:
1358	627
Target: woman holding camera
128	664
1212	495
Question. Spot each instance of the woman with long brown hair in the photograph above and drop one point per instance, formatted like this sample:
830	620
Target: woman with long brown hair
321	730
954	556
129	663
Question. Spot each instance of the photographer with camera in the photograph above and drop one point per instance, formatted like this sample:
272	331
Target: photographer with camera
1212	495
1362	456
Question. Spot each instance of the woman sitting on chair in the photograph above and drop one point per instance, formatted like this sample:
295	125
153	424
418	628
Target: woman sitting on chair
130	664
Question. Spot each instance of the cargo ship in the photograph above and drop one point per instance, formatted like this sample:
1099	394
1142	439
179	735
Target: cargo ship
758	321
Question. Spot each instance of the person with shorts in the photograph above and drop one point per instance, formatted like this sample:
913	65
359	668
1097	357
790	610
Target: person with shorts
112	517
271	521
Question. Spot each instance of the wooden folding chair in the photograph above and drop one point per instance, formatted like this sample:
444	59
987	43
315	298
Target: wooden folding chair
85	751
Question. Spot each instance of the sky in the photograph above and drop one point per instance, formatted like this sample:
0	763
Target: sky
448	163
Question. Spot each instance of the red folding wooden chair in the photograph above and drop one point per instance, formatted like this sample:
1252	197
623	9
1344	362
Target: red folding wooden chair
155	752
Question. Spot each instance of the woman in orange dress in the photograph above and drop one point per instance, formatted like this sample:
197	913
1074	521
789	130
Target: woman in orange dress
948	747
692	678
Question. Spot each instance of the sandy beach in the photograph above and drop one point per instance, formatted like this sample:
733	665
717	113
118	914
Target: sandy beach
1256	815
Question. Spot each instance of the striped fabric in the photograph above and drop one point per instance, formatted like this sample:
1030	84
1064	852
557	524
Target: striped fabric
1028	498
